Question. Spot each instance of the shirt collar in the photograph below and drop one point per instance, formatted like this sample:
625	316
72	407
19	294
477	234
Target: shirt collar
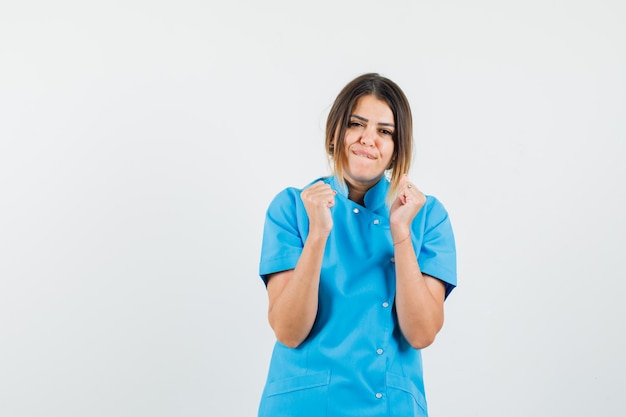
374	197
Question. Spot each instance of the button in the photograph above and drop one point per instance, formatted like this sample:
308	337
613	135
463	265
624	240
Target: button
392	259
379	351
379	395
376	221
385	304
355	210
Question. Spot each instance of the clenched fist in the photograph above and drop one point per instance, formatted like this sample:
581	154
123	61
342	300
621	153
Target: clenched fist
404	208
318	199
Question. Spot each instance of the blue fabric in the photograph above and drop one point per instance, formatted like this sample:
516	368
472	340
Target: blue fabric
355	361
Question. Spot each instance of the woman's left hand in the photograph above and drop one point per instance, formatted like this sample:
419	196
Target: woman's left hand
405	207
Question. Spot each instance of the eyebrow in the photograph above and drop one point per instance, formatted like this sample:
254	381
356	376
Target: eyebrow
356	116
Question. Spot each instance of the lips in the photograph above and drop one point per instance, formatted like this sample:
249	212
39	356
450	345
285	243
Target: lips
363	153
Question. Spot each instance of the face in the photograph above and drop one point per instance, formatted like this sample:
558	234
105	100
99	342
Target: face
368	143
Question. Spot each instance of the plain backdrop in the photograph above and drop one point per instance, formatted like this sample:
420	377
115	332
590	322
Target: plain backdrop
141	142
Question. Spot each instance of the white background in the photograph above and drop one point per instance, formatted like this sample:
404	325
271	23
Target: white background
141	142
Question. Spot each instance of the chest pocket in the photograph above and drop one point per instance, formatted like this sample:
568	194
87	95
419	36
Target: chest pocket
301	396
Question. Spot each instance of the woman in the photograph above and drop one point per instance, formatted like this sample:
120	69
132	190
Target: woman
357	267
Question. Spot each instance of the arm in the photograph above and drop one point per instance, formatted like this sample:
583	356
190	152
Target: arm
293	294
419	297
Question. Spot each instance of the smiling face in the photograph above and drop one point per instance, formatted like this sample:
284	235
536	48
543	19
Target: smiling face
368	143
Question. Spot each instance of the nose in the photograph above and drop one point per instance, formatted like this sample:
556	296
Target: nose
367	139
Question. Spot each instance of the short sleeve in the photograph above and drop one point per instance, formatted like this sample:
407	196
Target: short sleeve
437	256
282	234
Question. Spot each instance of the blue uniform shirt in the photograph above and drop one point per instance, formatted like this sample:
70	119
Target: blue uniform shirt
355	361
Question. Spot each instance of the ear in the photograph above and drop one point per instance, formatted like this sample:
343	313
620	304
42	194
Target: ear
333	141
331	147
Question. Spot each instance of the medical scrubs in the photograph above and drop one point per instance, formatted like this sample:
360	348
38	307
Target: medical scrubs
355	361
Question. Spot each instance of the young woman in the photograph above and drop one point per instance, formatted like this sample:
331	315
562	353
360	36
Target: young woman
357	267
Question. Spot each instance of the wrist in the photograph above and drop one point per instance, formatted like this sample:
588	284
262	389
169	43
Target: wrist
402	239
399	231
318	236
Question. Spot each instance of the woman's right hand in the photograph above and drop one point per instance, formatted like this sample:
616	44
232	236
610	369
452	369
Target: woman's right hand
294	293
318	199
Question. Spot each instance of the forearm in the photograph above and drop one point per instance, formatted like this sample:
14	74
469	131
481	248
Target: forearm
293	310
419	308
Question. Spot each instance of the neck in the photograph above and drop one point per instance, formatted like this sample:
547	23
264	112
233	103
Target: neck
357	189
356	193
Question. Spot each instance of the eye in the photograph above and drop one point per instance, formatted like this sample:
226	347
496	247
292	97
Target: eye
353	123
386	132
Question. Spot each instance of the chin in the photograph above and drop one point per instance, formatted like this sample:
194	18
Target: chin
363	177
